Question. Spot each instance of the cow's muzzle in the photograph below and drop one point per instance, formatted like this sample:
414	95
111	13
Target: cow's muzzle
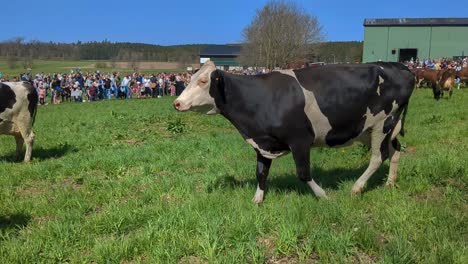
179	106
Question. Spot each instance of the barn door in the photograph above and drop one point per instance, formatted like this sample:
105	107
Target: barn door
407	55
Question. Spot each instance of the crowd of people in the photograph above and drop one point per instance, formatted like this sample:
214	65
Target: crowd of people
438	64
92	86
78	86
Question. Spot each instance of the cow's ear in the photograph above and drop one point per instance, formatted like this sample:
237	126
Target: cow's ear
217	88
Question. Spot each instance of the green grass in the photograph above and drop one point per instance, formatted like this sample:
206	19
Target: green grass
64	66
136	182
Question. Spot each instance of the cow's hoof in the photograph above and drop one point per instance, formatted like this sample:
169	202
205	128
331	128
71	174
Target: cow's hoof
321	195
356	191
391	185
257	199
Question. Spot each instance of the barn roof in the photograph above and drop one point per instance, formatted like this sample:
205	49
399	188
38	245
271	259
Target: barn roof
221	50
411	22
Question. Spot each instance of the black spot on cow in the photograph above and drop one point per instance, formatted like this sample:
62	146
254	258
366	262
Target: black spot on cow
396	144
257	107
384	151
33	98
7	97
389	124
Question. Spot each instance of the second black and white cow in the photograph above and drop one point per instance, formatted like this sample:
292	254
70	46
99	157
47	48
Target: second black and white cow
18	105
294	110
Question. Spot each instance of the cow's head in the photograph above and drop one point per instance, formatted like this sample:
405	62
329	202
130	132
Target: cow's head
196	96
436	90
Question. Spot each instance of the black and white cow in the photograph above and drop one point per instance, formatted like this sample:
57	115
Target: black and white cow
18	105
294	110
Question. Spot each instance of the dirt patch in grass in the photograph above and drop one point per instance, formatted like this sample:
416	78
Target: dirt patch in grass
69	182
133	142
192	259
31	190
41	220
436	193
410	151
362	257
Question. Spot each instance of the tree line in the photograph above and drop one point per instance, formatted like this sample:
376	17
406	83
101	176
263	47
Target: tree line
24	52
18	51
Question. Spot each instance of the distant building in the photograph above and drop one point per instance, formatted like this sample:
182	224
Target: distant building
223	56
400	39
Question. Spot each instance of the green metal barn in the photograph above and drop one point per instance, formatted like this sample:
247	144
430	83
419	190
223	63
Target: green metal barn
224	56
400	39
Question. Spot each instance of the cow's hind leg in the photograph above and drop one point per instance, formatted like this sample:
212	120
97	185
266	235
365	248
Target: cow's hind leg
379	148
28	136
263	168
394	155
301	155
394	148
19	146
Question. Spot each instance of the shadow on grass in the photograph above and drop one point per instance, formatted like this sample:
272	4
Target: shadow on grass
329	179
54	152
14	221
40	153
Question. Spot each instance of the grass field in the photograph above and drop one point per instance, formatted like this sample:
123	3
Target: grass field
64	66
136	182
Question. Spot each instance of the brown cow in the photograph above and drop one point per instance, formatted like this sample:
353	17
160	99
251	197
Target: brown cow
429	75
463	76
447	81
432	76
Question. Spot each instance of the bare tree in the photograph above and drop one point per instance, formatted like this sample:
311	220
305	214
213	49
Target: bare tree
113	62
135	59
280	34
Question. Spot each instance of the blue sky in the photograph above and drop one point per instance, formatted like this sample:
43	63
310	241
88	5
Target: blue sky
172	22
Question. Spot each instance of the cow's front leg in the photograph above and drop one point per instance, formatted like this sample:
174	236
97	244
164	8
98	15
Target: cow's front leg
263	167
19	146
301	155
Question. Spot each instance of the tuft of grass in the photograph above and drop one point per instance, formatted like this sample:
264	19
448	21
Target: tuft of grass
176	126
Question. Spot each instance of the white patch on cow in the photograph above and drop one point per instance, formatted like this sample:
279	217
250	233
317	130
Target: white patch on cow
320	123
396	130
382	68
372	120
258	197
381	80
265	153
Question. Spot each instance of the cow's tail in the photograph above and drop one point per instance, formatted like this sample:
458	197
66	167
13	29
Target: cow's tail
405	111
34	115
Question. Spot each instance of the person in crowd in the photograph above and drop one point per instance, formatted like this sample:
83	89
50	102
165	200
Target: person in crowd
153	85
146	84
77	93
92	92
124	86
160	86
42	95
179	85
